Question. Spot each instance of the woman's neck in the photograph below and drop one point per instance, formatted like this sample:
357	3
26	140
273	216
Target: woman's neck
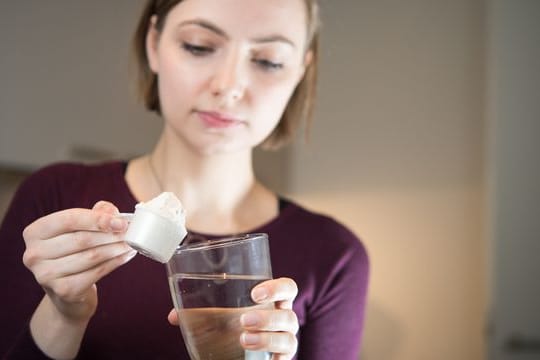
219	192
218	182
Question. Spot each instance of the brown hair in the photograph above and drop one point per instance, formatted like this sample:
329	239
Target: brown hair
301	104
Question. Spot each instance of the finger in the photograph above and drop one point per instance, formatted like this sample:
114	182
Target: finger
71	220
270	320
283	291
84	261
118	223
67	244
275	342
106	206
70	288
173	317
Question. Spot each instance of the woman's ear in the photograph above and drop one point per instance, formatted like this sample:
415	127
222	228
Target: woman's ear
308	58
152	39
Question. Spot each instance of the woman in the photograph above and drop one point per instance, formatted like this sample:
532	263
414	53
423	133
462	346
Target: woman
225	76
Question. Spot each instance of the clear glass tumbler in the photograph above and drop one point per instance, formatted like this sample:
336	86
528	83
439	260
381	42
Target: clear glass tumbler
211	284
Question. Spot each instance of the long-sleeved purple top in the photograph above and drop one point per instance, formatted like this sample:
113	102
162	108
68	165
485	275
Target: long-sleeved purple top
327	261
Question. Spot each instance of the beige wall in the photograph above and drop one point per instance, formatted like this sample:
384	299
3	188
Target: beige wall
396	153
9	180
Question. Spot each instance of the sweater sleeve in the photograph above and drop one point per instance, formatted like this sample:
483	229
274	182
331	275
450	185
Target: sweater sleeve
334	326
20	292
25	348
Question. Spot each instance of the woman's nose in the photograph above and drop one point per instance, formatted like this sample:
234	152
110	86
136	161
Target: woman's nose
230	80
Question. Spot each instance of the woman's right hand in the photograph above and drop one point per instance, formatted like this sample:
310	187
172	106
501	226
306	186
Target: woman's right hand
70	250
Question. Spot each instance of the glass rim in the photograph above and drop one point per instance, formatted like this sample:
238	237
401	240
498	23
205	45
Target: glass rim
220	242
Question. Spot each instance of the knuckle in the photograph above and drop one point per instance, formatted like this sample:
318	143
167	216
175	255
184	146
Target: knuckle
105	206
93	255
28	232
41	278
292	342
103	220
292	319
280	320
44	276
269	321
100	204
291	285
285	288
83	239
266	341
283	343
30	257
63	289
68	219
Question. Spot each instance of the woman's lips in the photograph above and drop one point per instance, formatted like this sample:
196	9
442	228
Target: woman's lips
217	120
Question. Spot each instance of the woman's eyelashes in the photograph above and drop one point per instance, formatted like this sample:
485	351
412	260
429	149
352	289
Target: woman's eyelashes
197	50
203	50
267	64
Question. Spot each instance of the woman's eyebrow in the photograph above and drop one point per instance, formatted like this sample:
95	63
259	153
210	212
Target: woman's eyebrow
215	29
274	38
204	24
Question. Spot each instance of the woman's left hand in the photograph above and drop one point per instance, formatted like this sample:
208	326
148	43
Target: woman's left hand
273	330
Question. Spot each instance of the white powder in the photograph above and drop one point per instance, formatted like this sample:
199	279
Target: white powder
167	205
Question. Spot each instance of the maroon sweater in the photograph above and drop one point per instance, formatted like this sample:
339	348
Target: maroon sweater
326	260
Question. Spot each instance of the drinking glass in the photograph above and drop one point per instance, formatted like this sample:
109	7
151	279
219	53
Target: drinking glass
211	283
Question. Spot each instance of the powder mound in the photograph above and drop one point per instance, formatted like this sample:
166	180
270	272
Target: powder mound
167	205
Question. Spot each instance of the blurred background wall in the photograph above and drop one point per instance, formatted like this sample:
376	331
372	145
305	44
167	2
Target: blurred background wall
403	149
397	154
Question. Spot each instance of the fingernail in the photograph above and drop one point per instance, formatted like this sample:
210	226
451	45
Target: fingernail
117	224
259	294
249	319
250	339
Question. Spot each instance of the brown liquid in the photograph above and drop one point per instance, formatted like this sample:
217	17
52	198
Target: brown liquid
214	333
209	308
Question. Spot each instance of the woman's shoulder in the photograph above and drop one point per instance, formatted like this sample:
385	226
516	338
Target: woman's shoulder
65	173
316	220
318	251
318	228
70	170
65	183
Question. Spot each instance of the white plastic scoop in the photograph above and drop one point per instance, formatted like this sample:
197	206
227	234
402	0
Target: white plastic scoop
157	227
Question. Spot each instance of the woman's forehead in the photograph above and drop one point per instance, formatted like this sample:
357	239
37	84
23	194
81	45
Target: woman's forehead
245	18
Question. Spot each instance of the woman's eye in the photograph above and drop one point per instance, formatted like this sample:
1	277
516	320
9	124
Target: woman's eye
196	49
267	64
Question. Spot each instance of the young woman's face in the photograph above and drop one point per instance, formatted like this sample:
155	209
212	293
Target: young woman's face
227	69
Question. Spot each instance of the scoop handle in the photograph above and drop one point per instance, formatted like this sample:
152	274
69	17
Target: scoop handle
127	216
